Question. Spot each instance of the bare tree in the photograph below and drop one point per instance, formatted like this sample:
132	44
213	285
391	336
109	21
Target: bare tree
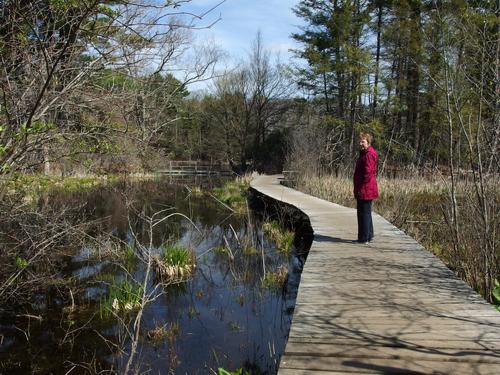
51	50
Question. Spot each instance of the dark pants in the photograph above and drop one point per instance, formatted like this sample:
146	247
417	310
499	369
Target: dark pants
365	223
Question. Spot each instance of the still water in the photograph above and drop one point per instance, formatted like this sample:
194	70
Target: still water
222	316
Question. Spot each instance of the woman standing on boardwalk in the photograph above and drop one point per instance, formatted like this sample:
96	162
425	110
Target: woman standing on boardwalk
365	186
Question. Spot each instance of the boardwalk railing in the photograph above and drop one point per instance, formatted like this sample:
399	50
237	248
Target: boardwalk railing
194	167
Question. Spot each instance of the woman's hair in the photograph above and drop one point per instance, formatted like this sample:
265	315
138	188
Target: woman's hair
367	136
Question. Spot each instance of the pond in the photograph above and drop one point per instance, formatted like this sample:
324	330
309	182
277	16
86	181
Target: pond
233	310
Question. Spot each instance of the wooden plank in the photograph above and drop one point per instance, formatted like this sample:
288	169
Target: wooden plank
389	312
386	365
369	351
425	343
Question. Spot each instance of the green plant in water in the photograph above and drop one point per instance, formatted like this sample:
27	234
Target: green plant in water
233	194
196	191
234	326
275	280
192	312
175	262
250	250
282	238
129	256
286	242
176	256
167	331
220	250
239	371
123	295
21	263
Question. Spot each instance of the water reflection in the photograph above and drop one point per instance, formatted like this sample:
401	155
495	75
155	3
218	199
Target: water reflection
223	316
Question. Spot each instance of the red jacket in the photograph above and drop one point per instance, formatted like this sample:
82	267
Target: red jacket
365	184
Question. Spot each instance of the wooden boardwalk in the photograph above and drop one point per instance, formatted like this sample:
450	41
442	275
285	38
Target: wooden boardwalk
387	307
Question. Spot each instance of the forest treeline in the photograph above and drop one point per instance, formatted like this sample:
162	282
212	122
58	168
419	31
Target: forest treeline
103	85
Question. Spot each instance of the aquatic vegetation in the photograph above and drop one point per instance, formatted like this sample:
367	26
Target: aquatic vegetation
250	250
122	296
276	280
234	326
168	331
192	312
129	256
21	263
233	194
239	371
282	238
175	262
220	250
196	191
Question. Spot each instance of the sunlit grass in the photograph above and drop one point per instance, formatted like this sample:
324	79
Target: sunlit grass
123	295
275	280
233	193
282	238
175	262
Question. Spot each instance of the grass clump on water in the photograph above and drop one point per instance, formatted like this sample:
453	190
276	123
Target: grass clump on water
240	371
174	263
233	193
123	296
276	280
282	238
168	331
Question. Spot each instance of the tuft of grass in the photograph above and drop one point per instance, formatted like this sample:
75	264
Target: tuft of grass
276	280
239	371
250	250
192	312
174	263
167	331
176	256
129	256
220	250
282	238
233	193
21	263
196	191
234	326
122	296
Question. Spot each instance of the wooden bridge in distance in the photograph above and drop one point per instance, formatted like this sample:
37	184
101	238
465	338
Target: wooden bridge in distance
196	167
383	308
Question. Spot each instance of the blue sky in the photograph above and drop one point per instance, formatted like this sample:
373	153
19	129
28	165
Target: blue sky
241	19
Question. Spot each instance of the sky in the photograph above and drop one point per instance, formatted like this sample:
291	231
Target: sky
240	20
